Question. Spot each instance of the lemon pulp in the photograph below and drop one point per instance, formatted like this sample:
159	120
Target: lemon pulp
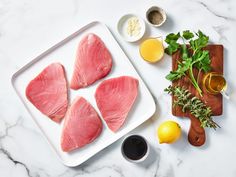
152	50
169	132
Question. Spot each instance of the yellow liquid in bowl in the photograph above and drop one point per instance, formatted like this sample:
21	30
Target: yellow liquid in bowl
152	50
214	83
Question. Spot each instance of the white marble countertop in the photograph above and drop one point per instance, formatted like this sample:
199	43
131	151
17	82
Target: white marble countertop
27	28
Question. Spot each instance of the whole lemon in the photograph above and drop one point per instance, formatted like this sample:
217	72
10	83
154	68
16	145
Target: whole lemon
169	132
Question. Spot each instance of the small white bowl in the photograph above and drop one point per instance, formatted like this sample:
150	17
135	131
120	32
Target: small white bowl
123	24
161	11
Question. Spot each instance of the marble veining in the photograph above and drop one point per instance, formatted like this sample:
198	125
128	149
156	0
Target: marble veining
220	30
27	28
215	13
5	134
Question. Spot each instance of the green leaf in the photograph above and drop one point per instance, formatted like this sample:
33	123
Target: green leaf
200	42
184	52
192	44
172	37
173	47
182	68
204	62
173	75
200	34
187	35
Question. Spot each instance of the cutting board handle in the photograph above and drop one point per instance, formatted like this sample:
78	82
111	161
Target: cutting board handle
196	134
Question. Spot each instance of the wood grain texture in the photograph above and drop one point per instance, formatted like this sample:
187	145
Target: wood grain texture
196	134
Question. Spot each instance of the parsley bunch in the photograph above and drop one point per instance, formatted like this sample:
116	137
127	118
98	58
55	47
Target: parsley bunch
192	56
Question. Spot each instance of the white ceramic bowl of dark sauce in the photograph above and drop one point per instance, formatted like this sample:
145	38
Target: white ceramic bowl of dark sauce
135	148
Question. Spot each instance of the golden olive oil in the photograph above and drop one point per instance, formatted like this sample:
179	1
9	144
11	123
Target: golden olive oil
214	83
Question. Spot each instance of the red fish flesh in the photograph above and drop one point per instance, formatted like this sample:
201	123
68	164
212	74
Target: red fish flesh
48	92
82	125
114	98
93	62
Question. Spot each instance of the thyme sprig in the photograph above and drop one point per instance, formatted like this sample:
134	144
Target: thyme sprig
194	105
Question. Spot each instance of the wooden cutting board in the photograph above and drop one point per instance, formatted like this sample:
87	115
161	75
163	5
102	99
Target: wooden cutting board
196	134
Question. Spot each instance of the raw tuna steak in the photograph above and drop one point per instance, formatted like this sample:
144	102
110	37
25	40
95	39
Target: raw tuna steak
48	92
115	98
93	62
82	125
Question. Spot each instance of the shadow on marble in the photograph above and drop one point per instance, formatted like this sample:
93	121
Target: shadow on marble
153	157
231	90
168	26
182	143
226	62
164	63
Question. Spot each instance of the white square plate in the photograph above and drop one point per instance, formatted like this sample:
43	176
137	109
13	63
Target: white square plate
64	52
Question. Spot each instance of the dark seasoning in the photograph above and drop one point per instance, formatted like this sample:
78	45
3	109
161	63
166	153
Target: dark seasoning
134	147
155	17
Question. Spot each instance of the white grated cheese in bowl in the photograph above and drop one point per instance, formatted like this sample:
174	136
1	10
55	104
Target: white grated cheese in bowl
133	28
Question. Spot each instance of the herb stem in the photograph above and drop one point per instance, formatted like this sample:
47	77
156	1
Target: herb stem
194	82
198	75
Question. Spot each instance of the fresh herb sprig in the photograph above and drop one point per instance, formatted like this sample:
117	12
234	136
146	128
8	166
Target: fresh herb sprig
196	107
192	56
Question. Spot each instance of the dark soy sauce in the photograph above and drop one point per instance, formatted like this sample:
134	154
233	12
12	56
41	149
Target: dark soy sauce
134	147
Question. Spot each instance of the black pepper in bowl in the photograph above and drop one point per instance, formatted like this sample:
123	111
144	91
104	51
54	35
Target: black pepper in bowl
155	17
